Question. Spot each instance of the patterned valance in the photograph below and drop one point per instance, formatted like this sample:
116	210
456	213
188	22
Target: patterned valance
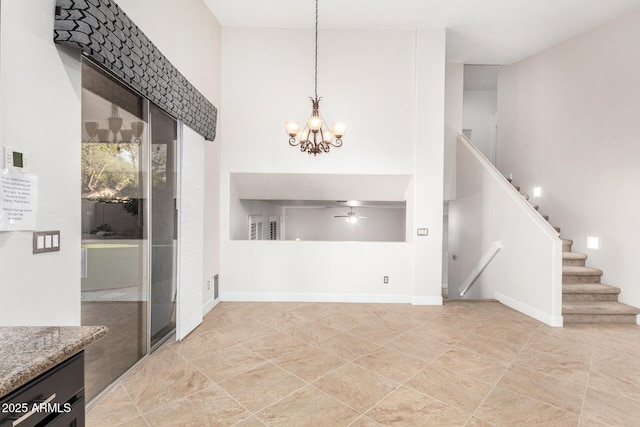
106	34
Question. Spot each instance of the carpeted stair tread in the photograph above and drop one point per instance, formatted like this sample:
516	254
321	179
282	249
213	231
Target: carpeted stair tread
598	307
589	288
573	255
546	217
571	270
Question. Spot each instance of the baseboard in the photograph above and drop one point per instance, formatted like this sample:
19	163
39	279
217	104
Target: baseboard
426	300
209	306
529	311
310	297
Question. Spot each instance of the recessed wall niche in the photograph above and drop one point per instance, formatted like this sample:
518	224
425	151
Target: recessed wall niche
318	220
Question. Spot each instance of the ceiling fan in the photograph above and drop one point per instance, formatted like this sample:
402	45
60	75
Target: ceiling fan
351	216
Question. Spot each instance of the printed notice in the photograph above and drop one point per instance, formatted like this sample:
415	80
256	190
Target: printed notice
18	200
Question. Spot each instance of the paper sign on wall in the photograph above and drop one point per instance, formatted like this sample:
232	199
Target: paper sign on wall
18	200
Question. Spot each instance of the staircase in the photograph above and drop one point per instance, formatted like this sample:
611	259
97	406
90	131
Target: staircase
584	298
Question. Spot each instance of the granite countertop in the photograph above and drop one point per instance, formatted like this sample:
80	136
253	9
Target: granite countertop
28	351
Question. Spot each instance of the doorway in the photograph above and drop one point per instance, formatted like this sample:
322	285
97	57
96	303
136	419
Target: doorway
129	225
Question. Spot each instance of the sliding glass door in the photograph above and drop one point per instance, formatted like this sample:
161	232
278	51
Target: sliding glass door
128	225
164	224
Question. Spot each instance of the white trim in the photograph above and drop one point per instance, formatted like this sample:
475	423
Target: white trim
426	300
208	306
312	297
530	311
638	319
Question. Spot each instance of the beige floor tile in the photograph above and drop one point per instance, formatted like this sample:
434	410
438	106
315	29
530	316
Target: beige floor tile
209	407
507	352
365	421
347	346
610	408
378	333
199	344
343	321
403	322
310	363
586	423
275	345
556	391
246	331
442	334
308	407
250	422
465	345
459	391
115	408
391	364
310	332
225	364
507	408
262	386
408	408
148	385
355	386
505	331
472	364
477	422
284	320
136	422
626	383
417	346
562	342
571	367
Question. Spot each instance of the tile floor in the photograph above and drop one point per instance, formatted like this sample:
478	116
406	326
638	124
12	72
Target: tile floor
365	365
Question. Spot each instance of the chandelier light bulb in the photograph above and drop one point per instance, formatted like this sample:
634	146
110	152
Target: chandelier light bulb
292	128
338	129
304	136
327	136
314	123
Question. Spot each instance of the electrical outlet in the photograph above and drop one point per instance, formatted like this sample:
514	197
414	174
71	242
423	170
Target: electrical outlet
386	279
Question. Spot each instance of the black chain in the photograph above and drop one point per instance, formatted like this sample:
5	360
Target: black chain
316	75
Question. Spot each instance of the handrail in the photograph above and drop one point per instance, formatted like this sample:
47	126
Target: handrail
542	223
482	264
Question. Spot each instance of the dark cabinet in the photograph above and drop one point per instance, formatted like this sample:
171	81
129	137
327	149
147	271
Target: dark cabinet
55	398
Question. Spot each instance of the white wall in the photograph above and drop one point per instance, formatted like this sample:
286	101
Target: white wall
478	115
527	272
568	123
40	113
368	80
454	84
40	106
320	224
318	271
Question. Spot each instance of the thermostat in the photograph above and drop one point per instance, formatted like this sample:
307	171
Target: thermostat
15	160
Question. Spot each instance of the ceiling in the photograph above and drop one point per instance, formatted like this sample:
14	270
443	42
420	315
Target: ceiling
478	31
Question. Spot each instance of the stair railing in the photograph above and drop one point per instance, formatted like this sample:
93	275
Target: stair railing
482	264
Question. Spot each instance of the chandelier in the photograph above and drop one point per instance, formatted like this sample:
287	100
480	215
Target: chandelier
315	138
97	134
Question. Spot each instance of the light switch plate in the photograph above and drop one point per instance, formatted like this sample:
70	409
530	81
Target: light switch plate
46	241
